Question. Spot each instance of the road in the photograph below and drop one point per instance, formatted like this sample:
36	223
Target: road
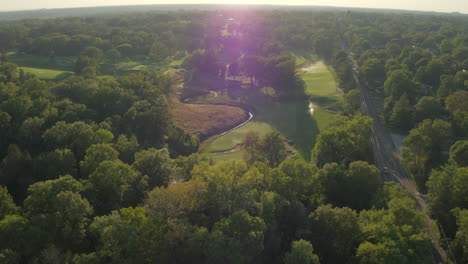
387	158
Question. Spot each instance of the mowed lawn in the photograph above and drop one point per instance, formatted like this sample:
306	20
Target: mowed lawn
320	85
47	74
59	67
233	138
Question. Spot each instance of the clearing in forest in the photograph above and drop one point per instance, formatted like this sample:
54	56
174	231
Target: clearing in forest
291	117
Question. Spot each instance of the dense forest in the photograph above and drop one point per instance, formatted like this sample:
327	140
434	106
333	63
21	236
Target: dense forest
96	170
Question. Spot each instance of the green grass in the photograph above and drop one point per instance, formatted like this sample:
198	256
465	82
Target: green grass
56	68
45	62
235	137
46	74
321	86
227	156
292	117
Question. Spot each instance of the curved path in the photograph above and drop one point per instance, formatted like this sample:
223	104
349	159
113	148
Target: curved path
251	115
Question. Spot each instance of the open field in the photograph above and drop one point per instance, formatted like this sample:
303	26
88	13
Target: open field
44	62
47	74
56	68
207	120
321	86
235	137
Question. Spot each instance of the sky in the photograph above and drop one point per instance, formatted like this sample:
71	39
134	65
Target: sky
424	5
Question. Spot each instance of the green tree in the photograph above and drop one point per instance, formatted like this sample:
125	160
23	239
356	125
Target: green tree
335	232
7	205
269	148
398	82
156	164
113	55
236	239
96	154
458	245
113	185
446	191
457	102
126	147
59	211
301	252
422	148
129	235
428	107
351	102
343	141
59	162
233	69
362	184
459	153
401	116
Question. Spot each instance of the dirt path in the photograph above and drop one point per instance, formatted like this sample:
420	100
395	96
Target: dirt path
387	159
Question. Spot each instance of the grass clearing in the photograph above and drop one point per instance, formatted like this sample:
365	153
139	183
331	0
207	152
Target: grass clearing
44	62
233	138
47	74
292	117
321	86
59	67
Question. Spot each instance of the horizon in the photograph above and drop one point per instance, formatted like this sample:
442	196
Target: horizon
459	6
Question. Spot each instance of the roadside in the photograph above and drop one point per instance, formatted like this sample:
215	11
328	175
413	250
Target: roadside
387	158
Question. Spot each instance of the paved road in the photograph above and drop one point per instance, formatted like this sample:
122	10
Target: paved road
387	158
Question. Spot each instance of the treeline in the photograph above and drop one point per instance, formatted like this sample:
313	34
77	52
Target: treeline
144	34
418	65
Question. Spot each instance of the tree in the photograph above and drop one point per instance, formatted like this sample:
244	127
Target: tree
301	252
422	148
457	102
92	52
15	233
113	55
401	116
233	69
236	239
459	153
7	205
398	82
373	71
269	148
59	211
428	107
126	147
335	232
446	191
458	245
352	102
251	66
113	185
76	136
59	162
129	235
330	184
156	164
16	171
96	154
362	183
343	141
